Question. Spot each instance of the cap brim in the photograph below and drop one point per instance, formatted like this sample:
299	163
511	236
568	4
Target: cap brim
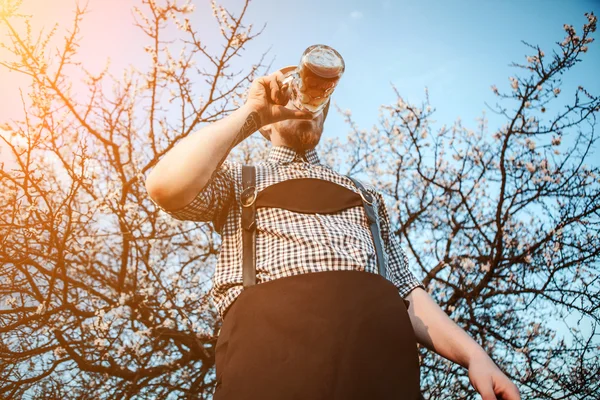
287	69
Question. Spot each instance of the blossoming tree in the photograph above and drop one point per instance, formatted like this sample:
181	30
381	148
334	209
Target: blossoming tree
104	296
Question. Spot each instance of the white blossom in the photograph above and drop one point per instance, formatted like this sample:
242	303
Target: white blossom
41	308
168	323
59	352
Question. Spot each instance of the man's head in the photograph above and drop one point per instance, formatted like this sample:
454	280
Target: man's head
300	134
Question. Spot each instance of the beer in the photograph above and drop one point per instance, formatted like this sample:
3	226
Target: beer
315	79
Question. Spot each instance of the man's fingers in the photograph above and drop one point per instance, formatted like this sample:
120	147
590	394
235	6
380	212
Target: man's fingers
486	390
285	96
265	86
286	113
509	392
274	95
274	90
504	387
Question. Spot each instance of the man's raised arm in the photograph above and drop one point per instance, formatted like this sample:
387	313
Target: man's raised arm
186	169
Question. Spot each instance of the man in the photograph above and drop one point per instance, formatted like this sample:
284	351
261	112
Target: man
320	323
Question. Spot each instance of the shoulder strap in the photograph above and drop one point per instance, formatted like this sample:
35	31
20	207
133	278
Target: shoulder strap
367	199
248	201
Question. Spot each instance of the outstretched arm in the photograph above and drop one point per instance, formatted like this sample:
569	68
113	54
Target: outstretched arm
436	331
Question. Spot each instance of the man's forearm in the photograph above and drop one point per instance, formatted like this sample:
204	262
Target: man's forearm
186	168
436	331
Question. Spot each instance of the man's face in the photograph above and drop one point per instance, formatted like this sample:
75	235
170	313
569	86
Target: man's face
301	134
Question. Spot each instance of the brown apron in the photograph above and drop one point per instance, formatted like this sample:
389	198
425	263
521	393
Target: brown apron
333	335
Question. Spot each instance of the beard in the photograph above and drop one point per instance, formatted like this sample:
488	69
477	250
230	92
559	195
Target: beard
301	134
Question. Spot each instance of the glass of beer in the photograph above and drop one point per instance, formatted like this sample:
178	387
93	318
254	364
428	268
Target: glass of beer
313	81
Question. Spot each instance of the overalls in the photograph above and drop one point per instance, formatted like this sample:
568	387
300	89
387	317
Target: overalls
333	335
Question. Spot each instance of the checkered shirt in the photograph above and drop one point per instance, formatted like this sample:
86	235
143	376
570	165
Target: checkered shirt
290	243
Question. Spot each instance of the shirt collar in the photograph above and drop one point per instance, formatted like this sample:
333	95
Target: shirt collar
285	155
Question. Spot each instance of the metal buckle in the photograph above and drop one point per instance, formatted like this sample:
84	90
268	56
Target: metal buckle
244	194
364	199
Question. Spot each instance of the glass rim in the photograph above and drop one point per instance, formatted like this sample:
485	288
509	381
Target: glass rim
334	51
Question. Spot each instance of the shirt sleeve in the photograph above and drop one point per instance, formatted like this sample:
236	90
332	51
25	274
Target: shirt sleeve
398	272
213	201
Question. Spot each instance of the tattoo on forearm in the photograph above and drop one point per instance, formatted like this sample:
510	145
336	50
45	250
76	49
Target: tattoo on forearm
251	125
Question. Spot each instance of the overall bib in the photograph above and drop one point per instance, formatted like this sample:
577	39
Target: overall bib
333	335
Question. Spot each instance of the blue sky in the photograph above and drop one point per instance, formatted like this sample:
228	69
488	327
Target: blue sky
456	49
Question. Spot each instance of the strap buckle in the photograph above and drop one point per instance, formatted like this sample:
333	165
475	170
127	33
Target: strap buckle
246	200
368	195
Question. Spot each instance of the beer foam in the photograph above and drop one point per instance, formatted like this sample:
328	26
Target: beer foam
324	63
